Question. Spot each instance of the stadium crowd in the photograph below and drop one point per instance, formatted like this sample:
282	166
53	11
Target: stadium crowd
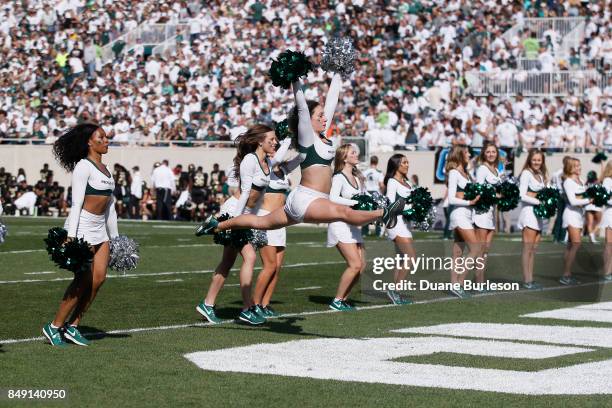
176	193
409	86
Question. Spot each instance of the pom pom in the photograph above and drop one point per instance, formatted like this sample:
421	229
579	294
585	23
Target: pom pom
123	254
3	232
487	193
509	195
74	255
240	237
428	222
599	157
598	193
420	205
381	200
281	129
289	67
549	198
365	202
339	56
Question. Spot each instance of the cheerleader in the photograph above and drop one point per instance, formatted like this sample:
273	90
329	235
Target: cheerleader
461	213
397	185
254	164
533	179
346	182
273	254
484	224
92	217
607	222
573	216
309	202
592	213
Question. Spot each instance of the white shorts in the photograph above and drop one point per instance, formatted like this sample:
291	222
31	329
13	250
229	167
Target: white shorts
486	220
606	221
298	201
573	217
461	217
342	232
593	207
527	219
277	237
228	206
400	230
92	227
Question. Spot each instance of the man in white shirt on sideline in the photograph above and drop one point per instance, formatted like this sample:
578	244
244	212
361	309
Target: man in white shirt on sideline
373	183
135	194
162	180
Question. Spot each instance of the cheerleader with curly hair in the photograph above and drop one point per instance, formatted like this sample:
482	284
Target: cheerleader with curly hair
92	217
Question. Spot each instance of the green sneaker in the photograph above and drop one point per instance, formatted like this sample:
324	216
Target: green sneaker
460	293
74	335
568	281
348	307
53	335
398	299
207	227
260	312
532	285
208	312
269	312
251	317
339	305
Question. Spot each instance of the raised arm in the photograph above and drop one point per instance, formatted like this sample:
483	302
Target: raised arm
338	183
331	100
305	131
571	187
453	180
524	186
80	175
111	219
280	154
248	166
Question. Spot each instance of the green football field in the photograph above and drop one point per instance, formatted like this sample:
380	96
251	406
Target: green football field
151	348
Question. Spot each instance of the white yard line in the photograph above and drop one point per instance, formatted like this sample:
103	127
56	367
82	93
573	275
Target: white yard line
169	280
308	288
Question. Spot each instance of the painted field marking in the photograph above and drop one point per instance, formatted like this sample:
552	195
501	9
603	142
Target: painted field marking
169	280
597	312
39	273
308	288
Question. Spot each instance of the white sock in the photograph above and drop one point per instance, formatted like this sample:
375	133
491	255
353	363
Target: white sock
337	300
54	326
207	305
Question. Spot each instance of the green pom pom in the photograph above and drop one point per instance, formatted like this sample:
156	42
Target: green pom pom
239	237
599	157
365	202
549	198
222	237
281	129
420	203
289	67
598	193
509	195
75	255
487	193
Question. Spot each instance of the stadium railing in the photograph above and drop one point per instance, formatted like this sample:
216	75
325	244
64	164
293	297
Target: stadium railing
532	83
562	25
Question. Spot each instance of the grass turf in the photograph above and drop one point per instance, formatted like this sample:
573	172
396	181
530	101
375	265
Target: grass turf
148	368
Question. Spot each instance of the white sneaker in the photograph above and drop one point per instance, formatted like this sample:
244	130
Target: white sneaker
592	238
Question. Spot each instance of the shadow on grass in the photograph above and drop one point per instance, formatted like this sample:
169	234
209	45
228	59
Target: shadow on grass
94	334
283	325
326	300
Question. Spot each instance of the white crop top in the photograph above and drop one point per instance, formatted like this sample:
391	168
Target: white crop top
395	189
530	183
607	183
485	175
342	190
88	179
456	183
572	189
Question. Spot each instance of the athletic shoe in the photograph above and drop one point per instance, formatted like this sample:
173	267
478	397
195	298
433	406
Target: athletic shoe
208	312
348	307
532	286
398	299
460	293
269	312
568	281
339	305
607	278
251	317
260	312
390	213
53	335
207	227
74	335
